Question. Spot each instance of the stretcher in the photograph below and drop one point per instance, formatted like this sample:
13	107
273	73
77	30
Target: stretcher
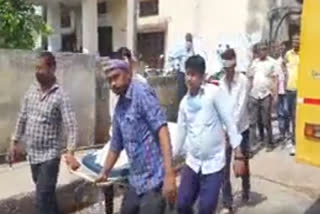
89	170
91	164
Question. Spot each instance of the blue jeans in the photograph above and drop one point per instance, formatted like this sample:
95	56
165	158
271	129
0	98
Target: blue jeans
283	117
227	188
292	101
45	177
192	185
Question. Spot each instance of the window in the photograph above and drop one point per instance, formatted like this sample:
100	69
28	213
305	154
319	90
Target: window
65	20
102	8
149	7
151	48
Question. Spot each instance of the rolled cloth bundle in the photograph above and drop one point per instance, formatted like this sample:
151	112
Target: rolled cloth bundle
111	64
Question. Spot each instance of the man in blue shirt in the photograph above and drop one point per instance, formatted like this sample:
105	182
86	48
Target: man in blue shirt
140	127
203	113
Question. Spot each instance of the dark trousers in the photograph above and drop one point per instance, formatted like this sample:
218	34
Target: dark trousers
260	108
227	188
45	177
192	185
150	202
182	87
282	110
292	102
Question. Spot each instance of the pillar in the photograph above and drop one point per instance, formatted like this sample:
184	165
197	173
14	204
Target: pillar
132	25
89	26
53	20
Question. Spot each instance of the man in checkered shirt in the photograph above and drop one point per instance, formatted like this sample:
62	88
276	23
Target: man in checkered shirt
45	111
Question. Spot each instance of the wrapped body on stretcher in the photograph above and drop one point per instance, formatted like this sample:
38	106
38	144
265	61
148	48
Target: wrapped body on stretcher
93	161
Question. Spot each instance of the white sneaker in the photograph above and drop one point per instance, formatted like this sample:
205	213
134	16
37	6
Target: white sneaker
226	211
293	151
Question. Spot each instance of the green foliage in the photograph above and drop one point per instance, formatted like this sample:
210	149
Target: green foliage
20	25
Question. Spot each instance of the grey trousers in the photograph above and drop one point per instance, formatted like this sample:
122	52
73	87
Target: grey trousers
227	188
260	108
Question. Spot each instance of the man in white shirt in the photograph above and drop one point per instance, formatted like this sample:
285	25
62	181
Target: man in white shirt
203	113
263	81
236	86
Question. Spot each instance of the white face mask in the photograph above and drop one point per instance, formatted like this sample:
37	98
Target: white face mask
194	103
228	63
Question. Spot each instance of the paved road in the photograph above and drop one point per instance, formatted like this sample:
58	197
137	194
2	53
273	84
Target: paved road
279	186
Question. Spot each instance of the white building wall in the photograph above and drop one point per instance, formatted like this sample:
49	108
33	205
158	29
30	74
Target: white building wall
209	19
118	11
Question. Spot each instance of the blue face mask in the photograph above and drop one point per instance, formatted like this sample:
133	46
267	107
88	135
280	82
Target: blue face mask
193	103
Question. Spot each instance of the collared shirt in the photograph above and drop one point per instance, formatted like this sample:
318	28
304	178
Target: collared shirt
202	131
41	121
238	93
281	76
292	64
263	73
137	120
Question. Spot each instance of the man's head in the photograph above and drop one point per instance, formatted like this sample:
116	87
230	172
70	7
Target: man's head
296	42
45	69
282	48
125	54
229	60
255	51
195	70
263	51
118	75
189	41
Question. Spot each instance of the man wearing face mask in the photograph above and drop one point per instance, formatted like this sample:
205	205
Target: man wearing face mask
236	86
202	114
177	59
46	109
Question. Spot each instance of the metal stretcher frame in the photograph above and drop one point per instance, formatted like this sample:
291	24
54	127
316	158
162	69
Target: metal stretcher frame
106	187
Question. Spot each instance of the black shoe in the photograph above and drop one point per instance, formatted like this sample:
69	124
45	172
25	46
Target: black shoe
270	148
245	198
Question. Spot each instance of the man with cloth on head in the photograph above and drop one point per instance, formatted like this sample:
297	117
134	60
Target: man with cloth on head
140	127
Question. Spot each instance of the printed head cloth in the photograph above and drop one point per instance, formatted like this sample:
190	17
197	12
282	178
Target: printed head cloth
112	64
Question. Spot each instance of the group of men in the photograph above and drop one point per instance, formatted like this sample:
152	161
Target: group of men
212	122
278	89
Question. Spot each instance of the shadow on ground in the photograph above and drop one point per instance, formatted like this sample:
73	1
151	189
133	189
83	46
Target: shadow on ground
315	208
255	199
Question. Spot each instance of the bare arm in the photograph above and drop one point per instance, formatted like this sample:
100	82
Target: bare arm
111	160
164	138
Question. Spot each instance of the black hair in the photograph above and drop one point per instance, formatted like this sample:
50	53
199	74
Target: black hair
124	52
189	37
228	54
49	57
197	63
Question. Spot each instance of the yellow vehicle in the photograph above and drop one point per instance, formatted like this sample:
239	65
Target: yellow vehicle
308	100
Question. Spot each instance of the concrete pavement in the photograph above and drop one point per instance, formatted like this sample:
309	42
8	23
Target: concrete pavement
279	186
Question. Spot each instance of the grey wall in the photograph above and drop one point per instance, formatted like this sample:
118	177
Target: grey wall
76	72
80	76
